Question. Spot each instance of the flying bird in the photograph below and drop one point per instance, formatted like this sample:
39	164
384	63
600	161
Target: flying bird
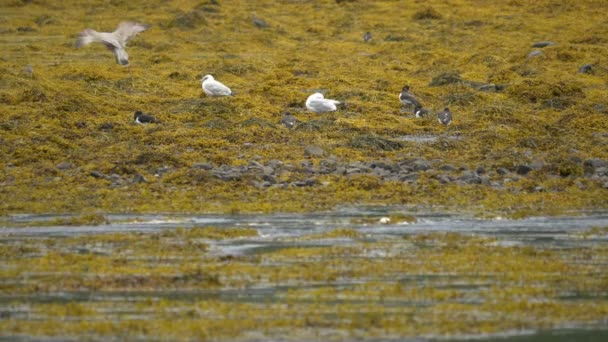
318	103
408	98
212	87
115	41
142	118
444	117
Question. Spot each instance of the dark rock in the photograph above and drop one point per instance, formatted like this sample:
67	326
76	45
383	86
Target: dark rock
502	171
202	166
543	44
585	69
380	165
523	169
259	23
81	124
96	174
106	126
469	177
427	14
269	178
314	151
480	170
139	179
306	182
448	167
374	142
25	29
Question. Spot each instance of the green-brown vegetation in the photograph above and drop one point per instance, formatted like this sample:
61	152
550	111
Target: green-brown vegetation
68	144
177	285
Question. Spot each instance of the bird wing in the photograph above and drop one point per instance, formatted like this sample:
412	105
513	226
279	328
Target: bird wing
129	29
89	36
217	88
322	105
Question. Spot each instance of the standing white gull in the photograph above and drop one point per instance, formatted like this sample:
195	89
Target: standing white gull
115	41
212	87
318	104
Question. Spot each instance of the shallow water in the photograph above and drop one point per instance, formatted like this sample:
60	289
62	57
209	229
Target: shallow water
276	232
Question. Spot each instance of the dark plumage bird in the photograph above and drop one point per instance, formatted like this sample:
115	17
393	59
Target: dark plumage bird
444	117
585	69
421	112
289	120
367	37
142	118
408	98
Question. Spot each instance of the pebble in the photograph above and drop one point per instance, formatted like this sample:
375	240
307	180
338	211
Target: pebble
535	53
202	166
543	44
523	169
64	166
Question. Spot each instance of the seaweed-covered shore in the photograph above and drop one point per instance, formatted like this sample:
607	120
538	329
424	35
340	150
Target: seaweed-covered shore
529	134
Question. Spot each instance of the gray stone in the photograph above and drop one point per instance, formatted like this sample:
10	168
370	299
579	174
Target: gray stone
139	179
601	171
448	167
255	165
314	151
443	179
535	53
502	171
275	164
202	166
64	166
421	165
469	177
595	163
267	170
523	169
408	177
480	170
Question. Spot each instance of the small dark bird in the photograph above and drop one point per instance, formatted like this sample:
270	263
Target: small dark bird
142	118
421	112
289	120
408	98
585	69
367	37
444	117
